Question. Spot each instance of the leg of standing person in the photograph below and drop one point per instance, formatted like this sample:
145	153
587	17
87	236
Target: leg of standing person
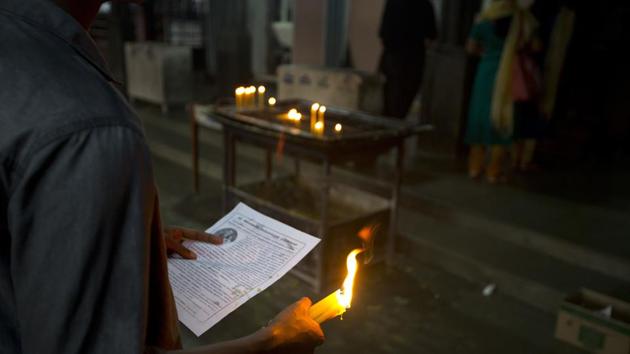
529	148
392	90
476	160
495	169
528	127
403	74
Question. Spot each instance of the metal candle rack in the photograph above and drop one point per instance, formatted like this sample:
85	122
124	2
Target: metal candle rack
334	210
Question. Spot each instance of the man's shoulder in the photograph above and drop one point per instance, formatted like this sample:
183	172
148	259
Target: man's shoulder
45	77
49	89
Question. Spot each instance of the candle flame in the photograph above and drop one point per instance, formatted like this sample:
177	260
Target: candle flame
272	101
338	127
319	125
322	109
344	295
315	107
261	89
294	115
240	90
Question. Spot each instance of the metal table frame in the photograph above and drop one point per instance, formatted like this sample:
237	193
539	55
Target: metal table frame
268	139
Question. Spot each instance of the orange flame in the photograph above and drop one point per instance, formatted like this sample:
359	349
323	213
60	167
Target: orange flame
344	295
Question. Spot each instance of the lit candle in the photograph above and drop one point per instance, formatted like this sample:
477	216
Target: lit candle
314	109
272	101
244	97
261	96
338	128
322	112
238	93
294	115
251	97
340	300
318	127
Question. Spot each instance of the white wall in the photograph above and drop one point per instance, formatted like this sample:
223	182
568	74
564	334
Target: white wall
364	21
258	18
310	28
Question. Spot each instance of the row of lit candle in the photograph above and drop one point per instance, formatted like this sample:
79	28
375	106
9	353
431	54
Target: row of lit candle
318	113
246	97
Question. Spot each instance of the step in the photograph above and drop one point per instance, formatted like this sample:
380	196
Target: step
525	274
527	328
414	197
591	226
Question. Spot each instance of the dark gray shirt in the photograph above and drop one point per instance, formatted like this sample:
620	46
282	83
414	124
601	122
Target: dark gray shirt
82	258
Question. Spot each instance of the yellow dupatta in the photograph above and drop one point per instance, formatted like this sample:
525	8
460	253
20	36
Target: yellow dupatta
521	31
498	9
559	42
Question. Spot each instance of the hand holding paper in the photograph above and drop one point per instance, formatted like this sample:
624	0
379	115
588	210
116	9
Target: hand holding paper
255	253
175	237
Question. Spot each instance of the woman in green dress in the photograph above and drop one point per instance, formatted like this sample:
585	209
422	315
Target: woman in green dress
495	37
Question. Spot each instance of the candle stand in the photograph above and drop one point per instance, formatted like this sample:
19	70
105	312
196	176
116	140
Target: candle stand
334	209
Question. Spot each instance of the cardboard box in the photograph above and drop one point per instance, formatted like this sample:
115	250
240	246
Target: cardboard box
595	322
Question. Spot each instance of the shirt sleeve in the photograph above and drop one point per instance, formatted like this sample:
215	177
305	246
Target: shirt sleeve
82	223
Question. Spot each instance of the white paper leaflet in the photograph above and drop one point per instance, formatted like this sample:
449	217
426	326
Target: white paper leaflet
256	252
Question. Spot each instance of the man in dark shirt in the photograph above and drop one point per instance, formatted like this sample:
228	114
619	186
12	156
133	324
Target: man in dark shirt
82	251
407	27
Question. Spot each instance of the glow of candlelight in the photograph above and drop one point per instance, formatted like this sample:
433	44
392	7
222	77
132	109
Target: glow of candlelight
272	101
261	97
239	96
338	128
322	111
319	126
250	91
294	115
314	110
339	301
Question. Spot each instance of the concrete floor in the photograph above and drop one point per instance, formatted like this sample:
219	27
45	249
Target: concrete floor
422	305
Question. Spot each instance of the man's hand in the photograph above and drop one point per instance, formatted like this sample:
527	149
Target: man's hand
175	237
294	331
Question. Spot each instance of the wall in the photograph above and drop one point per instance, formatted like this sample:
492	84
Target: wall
310	27
258	25
363	25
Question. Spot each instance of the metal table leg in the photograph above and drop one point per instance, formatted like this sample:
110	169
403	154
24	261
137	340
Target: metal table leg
321	261
229	167
393	219
194	132
268	164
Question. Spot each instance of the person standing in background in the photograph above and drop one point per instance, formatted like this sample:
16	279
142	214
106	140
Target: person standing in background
407	28
527	94
495	37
